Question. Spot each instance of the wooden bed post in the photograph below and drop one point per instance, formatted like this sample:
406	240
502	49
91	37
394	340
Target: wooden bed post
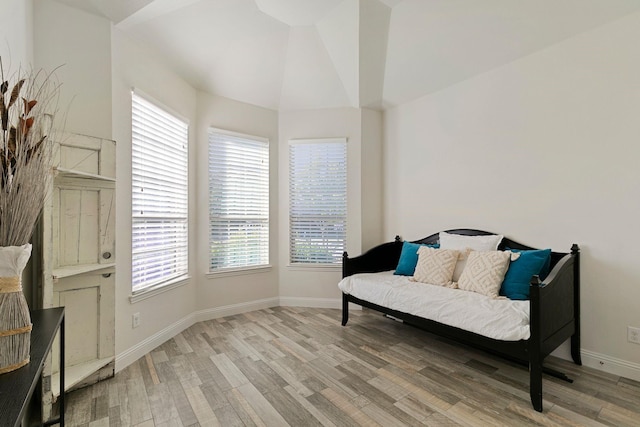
535	343
345	309
345	302
345	257
575	338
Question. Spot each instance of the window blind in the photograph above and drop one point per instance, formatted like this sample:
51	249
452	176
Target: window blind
159	168
238	200
317	200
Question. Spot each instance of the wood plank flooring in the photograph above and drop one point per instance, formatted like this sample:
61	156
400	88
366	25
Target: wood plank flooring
298	367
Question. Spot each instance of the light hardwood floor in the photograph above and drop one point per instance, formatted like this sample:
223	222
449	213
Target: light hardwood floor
299	367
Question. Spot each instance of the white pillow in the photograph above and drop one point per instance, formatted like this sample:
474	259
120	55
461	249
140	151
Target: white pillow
466	243
476	243
485	272
435	266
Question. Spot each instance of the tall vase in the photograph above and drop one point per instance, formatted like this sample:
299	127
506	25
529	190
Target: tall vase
15	320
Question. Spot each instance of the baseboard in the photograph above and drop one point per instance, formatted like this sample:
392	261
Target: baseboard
316	303
311	302
132	354
230	310
611	365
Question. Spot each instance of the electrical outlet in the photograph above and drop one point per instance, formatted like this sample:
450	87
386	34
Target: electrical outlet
135	320
633	334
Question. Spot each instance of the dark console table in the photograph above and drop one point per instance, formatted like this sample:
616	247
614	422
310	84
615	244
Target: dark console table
17	387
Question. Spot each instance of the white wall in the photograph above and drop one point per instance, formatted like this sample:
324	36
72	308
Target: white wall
250	289
371	183
16	34
78	45
374	19
133	67
544	150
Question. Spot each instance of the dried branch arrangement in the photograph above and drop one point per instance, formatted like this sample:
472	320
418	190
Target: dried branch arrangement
28	103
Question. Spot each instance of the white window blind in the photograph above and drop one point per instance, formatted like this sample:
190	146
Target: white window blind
238	201
159	167
317	200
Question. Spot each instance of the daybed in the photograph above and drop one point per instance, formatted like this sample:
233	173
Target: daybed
534	327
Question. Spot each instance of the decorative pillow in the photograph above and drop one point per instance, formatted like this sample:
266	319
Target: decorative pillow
435	266
475	243
484	272
409	258
516	282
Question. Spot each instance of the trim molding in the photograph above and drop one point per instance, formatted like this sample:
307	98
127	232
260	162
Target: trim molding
311	302
134	353
316	303
230	310
612	365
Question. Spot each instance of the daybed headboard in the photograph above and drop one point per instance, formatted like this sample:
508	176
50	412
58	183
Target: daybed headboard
385	256
506	242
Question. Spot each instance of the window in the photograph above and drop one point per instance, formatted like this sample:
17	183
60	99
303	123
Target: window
317	200
238	201
159	191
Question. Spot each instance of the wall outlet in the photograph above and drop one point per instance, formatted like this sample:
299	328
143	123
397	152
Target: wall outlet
135	320
633	334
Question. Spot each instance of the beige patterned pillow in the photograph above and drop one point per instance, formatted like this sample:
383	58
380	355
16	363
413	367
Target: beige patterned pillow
435	266
484	272
469	243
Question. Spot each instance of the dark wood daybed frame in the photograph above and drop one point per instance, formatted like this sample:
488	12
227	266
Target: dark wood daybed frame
554	308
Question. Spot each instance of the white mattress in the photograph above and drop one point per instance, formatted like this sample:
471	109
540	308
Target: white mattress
497	318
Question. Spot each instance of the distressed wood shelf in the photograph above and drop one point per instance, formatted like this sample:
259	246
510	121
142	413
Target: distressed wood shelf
74	270
78	249
70	173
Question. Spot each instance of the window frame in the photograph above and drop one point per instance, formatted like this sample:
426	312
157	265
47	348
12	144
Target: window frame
318	266
181	276
265	218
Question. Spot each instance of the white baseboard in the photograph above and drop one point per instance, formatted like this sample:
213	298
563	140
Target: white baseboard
230	310
134	353
609	364
311	302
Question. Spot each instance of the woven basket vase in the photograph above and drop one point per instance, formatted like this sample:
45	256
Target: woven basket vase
15	320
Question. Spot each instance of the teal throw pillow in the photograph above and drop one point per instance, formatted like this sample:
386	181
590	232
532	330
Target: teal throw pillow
409	258
516	282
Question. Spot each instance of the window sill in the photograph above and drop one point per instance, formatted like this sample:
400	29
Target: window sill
159	289
227	272
315	267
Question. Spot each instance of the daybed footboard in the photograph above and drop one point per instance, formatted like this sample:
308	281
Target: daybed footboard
554	317
554	310
554	306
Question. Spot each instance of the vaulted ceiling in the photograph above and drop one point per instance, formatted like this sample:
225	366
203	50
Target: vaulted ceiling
298	54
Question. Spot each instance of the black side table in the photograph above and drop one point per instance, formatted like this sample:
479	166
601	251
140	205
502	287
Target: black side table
17	387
